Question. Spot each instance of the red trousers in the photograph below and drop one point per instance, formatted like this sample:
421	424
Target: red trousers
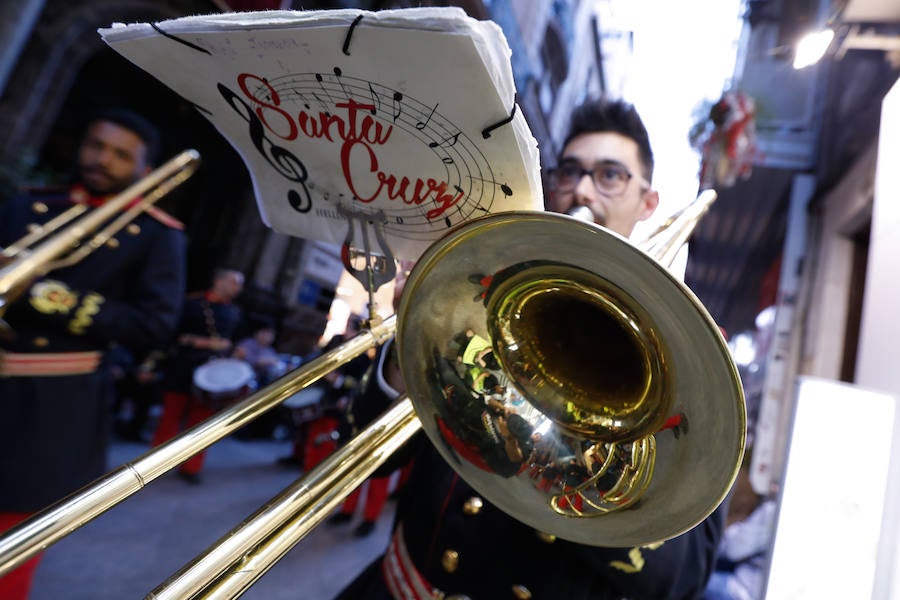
16	584
376	497
180	412
319	442
376	494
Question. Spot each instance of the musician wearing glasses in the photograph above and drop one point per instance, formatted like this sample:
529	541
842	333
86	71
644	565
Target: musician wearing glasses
447	541
53	385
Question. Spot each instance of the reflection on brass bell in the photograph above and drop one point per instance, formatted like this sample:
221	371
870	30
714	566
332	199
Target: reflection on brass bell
547	538
40	342
521	592
133	228
112	243
450	560
473	506
39	207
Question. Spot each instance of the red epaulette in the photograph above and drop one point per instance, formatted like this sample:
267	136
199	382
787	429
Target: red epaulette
165	218
79	195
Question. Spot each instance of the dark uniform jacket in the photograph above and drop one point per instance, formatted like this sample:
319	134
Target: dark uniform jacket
53	429
464	547
204	316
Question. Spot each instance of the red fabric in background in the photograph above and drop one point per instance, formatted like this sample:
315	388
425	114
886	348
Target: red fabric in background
16	584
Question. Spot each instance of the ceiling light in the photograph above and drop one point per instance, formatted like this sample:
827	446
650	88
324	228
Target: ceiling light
812	47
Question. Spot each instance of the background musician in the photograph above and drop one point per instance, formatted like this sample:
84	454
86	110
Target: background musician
54	387
447	541
209	321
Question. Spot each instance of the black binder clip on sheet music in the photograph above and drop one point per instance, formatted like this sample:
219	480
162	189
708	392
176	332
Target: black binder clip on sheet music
391	126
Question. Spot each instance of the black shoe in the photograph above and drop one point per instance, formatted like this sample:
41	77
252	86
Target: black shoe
192	478
340	519
363	529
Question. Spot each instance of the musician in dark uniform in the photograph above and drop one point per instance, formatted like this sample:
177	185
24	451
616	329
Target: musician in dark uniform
53	385
209	322
450	543
365	406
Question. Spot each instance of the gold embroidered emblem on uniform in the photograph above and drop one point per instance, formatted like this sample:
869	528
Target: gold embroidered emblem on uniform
84	315
51	296
637	559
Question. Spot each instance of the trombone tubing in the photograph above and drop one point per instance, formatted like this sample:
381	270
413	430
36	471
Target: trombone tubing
62	518
226	569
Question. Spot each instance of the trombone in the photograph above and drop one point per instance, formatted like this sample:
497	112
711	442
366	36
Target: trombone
614	425
62	242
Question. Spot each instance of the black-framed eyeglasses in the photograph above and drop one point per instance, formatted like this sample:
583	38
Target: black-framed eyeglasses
610	177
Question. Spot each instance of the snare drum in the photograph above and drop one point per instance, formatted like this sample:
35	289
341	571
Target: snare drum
223	381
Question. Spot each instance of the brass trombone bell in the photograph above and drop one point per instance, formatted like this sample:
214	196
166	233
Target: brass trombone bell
569	307
604	380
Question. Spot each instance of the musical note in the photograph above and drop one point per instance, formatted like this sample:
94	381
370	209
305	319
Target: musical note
324	89
447	160
507	191
447	222
376	99
420	125
337	75
398	97
302	97
443	143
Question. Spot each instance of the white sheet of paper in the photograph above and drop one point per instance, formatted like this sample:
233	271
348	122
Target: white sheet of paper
397	121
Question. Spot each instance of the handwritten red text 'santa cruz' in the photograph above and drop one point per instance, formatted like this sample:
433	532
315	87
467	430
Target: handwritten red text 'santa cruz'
357	132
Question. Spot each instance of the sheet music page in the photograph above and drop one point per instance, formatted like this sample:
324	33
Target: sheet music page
399	121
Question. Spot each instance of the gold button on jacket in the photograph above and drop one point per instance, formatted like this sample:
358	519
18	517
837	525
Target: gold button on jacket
450	560
473	506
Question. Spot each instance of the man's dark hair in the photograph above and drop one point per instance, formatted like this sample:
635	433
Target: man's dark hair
602	115
135	123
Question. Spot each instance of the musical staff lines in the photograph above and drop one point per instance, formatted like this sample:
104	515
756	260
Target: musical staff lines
471	188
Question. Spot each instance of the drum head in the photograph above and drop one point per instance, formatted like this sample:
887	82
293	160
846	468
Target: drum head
223	375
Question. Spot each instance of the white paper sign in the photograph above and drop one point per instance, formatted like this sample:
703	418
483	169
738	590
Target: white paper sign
400	120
